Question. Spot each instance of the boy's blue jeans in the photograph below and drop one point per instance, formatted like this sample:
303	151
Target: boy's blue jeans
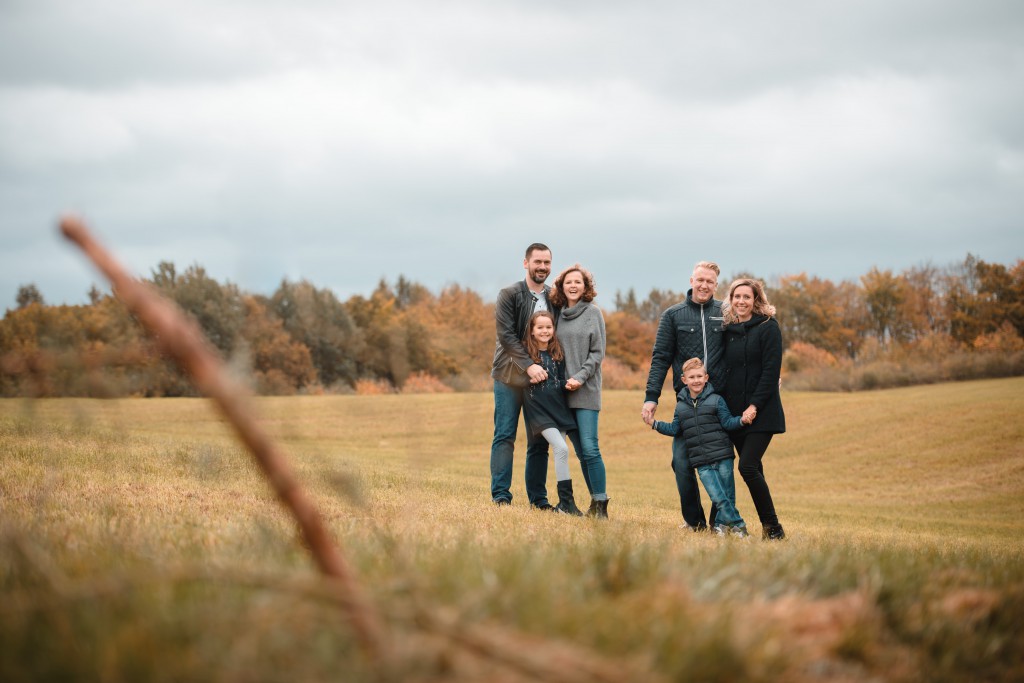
720	483
686	483
508	403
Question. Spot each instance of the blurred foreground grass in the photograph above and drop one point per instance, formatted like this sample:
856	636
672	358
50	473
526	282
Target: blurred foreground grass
139	542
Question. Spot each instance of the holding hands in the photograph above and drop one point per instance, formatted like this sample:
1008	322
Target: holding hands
536	373
647	413
572	384
749	415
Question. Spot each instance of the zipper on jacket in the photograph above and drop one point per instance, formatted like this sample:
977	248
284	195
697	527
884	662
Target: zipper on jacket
704	333
696	419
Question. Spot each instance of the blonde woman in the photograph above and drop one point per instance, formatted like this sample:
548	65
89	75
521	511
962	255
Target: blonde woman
753	361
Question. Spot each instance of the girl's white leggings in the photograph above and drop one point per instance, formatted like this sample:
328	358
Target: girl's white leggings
559	451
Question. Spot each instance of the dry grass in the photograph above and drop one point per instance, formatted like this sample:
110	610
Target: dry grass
139	542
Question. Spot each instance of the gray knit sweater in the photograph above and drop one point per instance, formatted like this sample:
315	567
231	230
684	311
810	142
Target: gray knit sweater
581	334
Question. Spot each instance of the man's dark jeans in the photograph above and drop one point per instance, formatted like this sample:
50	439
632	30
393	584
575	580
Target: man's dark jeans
508	404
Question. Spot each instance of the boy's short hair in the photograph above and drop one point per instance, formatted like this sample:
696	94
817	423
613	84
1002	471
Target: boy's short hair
694	363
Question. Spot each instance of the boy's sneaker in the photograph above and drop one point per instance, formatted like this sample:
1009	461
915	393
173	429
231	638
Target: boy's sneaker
738	531
720	529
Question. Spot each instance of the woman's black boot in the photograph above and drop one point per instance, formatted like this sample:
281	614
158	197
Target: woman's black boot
772	532
598	509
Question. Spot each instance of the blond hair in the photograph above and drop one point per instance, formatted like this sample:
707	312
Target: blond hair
760	307
709	265
692	364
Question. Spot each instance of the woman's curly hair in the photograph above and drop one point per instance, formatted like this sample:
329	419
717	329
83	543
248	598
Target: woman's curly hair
557	294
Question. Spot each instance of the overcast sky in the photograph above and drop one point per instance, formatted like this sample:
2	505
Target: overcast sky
342	142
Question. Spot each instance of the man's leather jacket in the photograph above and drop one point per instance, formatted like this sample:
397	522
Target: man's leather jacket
512	315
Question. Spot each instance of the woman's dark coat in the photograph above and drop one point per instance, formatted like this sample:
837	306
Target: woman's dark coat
753	361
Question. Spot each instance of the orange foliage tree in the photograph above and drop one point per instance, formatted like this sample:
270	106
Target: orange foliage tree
403	337
280	365
819	312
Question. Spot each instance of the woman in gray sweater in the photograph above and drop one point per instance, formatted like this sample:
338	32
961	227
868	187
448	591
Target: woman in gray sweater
582	336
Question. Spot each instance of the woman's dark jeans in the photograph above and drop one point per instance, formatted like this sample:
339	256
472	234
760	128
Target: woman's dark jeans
751	447
584	442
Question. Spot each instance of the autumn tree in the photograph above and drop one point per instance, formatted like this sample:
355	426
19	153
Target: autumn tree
885	296
280	365
1000	296
317	319
27	295
396	344
657	301
1015	303
819	312
409	293
459	330
217	308
629	339
982	296
627	303
924	307
95	295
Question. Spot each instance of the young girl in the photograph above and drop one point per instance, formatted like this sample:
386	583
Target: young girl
544	405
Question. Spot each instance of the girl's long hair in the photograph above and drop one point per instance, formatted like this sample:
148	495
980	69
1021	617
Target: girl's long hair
760	307
554	348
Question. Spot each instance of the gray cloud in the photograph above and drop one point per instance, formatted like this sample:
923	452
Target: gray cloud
344	143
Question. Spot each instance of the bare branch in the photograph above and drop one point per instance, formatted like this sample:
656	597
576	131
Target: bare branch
180	338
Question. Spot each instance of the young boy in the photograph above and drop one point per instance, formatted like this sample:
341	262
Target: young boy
703	418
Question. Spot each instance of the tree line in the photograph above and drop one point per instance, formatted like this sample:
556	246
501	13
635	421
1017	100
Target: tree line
924	324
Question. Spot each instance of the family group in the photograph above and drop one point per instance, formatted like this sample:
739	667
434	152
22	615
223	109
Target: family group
725	359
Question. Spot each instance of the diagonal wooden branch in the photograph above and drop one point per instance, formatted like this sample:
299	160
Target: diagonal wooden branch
180	338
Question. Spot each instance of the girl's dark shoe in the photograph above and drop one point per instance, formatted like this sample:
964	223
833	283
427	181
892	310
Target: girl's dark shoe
773	532
566	503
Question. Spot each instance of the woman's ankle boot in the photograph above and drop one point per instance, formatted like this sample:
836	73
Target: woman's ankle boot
598	509
566	503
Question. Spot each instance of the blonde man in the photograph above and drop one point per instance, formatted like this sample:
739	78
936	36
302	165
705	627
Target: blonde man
690	329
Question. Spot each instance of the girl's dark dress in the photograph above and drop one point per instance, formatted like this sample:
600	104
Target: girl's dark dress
544	404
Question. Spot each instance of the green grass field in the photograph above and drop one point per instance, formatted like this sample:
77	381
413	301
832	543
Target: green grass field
138	541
